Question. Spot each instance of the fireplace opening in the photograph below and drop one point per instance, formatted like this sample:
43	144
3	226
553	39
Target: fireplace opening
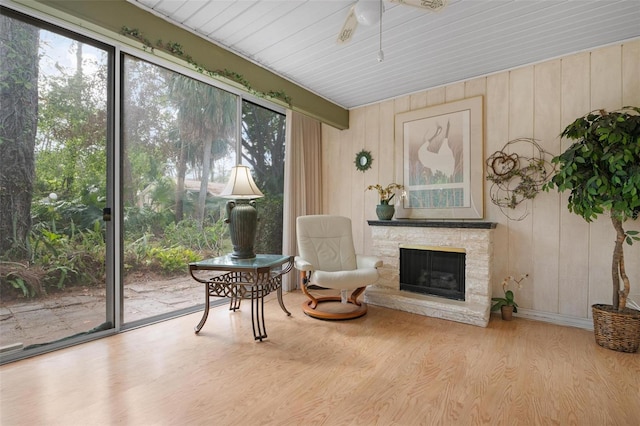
433	270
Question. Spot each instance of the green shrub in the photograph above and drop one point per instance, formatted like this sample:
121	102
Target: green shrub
67	216
69	258
208	241
173	259
136	252
145	220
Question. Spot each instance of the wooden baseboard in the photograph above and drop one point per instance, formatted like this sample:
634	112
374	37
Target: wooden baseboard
558	319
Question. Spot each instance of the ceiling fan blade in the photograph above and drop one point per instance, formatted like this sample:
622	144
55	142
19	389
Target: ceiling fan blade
349	27
432	5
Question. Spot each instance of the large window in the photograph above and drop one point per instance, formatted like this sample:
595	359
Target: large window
55	106
65	189
263	142
180	140
179	144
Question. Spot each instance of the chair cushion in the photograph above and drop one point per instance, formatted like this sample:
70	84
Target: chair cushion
345	279
326	242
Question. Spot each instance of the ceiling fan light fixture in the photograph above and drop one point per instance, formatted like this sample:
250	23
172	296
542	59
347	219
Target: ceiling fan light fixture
367	12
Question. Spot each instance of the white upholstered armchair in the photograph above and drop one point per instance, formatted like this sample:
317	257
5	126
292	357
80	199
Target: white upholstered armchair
327	259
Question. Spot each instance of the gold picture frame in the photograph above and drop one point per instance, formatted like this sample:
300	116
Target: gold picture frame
439	160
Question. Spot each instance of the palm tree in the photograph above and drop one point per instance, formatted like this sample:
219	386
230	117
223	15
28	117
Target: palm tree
206	117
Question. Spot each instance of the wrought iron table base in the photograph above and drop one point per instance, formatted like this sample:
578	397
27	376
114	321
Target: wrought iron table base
238	285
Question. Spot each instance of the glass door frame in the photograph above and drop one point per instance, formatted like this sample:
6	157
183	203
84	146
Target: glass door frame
48	23
156	60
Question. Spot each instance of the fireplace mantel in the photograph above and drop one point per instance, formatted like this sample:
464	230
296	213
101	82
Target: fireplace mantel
474	237
430	223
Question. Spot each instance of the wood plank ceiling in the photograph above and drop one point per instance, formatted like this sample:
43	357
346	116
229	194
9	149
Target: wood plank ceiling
297	39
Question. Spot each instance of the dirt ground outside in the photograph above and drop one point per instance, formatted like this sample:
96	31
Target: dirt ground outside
77	310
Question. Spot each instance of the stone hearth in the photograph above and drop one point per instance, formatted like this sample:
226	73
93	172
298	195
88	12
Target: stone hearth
476	238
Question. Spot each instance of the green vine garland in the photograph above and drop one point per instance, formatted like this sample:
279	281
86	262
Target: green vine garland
176	49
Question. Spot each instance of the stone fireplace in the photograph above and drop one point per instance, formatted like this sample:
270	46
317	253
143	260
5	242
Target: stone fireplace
474	239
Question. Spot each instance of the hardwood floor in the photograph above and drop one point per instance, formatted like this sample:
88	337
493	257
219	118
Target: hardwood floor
386	368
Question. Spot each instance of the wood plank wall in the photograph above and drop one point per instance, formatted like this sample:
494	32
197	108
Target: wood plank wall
568	259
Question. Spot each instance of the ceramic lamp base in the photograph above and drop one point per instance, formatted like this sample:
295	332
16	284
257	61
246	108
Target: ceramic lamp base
242	218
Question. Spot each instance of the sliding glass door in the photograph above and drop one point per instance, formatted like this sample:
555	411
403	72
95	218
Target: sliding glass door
55	100
108	191
179	144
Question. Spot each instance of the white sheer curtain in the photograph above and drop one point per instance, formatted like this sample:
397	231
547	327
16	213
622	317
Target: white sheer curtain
302	180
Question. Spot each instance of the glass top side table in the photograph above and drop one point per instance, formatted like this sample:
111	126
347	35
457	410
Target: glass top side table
243	279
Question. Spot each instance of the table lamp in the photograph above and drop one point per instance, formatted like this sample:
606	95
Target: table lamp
242	215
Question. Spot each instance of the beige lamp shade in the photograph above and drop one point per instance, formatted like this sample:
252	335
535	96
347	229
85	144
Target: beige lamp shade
241	185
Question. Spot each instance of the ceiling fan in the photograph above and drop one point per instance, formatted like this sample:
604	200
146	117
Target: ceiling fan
369	12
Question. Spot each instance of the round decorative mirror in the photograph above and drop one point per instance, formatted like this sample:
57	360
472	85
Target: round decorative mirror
363	160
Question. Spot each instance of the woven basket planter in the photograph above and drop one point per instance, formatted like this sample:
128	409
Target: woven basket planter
619	331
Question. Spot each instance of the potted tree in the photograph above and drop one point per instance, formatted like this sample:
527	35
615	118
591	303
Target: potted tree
601	169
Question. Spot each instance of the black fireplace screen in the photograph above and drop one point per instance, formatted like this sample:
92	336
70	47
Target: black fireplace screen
438	273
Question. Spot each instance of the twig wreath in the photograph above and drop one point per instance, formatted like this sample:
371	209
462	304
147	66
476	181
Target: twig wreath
515	177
